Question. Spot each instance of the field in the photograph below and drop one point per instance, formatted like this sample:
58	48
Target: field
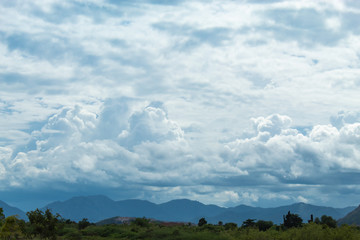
156	231
45	225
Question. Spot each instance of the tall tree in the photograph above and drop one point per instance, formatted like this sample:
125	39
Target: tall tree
292	220
2	216
249	223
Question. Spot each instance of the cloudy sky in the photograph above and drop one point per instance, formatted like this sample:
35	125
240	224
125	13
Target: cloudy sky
225	102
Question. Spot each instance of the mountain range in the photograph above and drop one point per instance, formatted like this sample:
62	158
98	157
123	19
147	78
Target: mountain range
9	210
97	208
352	218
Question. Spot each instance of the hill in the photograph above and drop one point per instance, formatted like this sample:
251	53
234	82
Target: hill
352	218
97	208
185	210
94	208
242	212
128	220
9	210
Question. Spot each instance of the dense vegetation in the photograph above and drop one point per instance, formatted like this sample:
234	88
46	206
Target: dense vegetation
45	225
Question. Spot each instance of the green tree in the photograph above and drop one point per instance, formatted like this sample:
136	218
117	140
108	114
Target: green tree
2	216
202	222
264	225
292	220
83	223
43	224
230	226
248	223
142	222
11	228
328	220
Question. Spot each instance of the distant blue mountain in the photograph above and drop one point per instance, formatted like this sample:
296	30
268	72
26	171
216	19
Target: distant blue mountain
96	208
186	210
241	213
91	207
9	210
352	218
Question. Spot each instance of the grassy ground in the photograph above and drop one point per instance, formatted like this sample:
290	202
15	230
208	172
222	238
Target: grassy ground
208	232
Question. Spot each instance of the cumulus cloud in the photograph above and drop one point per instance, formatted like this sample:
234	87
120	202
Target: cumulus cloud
145	148
345	117
294	157
79	81
270	126
151	125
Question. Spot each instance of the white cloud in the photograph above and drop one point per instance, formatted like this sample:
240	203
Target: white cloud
273	124
275	196
155	151
324	150
249	197
5	154
302	199
323	133
333	24
213	66
342	118
151	124
226	196
68	148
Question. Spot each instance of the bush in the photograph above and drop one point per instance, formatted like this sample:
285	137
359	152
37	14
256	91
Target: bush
230	226
264	225
329	221
141	222
202	221
84	223
73	234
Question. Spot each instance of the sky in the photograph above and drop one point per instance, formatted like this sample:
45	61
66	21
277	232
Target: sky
224	102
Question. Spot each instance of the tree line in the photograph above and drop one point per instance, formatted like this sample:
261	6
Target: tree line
290	220
46	225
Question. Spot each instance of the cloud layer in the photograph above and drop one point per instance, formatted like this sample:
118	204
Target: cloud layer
147	150
226	102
